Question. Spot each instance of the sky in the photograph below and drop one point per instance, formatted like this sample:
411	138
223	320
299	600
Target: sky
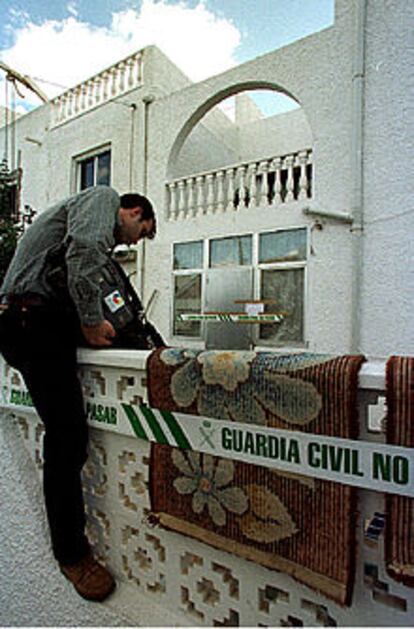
59	44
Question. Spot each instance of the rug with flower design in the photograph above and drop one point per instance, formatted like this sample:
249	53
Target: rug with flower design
399	531
291	523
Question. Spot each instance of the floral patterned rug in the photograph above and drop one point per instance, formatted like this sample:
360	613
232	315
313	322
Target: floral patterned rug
291	523
399	536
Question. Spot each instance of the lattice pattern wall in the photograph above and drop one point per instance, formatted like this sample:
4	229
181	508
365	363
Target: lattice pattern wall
205	586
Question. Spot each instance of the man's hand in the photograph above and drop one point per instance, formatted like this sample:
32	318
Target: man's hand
100	334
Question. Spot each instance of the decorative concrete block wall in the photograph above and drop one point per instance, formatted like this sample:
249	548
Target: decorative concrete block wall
175	579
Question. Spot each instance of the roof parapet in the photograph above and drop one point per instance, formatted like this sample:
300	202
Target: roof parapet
112	82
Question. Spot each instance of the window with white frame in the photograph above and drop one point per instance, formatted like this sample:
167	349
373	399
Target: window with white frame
94	170
187	265
230	251
278	259
281	266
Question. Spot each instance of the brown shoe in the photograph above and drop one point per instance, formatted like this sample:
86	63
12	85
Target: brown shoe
89	578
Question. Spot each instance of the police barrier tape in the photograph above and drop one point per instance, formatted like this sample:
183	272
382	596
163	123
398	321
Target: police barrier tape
370	465
231	317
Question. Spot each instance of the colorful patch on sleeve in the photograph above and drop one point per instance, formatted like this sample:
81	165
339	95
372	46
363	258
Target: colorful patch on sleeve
114	301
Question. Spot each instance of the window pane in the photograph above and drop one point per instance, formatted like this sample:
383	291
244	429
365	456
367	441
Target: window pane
234	251
188	255
86	173
103	176
283	246
187	299
285	288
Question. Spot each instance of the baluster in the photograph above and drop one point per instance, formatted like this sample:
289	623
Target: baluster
121	67
84	92
191	206
252	201
241	171
77	96
67	107
130	66
303	180
210	193
105	82
220	191
172	215
200	195
70	104
181	199
289	160
60	108
230	174
138	63
97	89
90	92
114	77
277	167
264	187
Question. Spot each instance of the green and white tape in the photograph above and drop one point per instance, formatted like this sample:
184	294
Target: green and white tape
380	467
370	465
232	317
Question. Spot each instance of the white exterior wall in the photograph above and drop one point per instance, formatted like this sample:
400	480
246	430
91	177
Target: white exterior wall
212	143
388	254
277	135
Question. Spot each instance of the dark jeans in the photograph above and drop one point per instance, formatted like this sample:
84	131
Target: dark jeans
41	343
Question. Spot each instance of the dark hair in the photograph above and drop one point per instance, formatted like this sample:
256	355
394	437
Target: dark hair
132	199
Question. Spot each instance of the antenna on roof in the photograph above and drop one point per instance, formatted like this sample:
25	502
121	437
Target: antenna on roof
14	76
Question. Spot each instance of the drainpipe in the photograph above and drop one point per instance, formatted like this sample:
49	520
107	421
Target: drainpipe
356	210
133	109
147	100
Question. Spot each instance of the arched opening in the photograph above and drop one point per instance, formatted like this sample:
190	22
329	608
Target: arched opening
247	147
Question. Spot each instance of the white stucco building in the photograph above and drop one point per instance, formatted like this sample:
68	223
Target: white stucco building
309	211
328	178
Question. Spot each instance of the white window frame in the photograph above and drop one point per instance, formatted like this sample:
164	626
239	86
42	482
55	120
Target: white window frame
195	271
282	266
258	268
78	159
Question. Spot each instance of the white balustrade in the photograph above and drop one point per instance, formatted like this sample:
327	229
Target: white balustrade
259	184
109	84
